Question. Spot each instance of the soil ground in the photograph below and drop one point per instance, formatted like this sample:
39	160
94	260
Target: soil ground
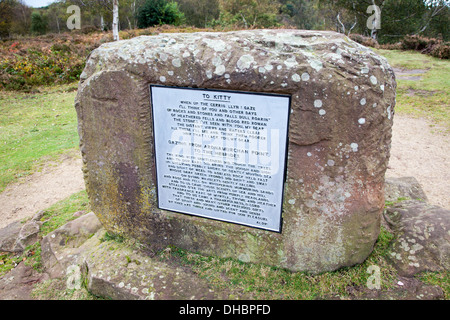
40	190
422	150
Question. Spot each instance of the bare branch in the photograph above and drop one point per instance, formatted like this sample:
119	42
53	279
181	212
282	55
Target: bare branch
352	27
245	21
339	20
437	8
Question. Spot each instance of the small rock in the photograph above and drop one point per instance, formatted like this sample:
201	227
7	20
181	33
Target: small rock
79	213
16	236
422	237
38	216
404	187
8	236
28	235
61	247
18	283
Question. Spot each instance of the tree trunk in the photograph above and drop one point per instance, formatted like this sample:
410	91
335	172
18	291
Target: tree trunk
352	27
342	25
102	23
115	25
374	34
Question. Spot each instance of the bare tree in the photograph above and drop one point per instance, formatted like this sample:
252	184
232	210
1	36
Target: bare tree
115	25
342	26
112	5
435	7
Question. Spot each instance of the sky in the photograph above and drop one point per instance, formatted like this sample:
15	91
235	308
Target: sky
38	3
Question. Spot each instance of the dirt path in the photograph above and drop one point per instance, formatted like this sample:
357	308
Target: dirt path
40	190
423	152
417	150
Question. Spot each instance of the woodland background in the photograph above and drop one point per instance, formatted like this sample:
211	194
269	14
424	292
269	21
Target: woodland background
38	48
427	18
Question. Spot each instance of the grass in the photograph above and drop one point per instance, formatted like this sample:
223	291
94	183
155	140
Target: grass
35	128
56	289
258	281
427	98
441	279
8	261
62	212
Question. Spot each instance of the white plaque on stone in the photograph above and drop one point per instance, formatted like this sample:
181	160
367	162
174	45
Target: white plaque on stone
221	154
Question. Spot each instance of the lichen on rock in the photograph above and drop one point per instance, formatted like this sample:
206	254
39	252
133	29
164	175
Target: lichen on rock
422	237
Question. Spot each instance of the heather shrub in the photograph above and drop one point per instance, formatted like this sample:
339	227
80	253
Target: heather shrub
431	46
441	50
417	43
365	41
44	60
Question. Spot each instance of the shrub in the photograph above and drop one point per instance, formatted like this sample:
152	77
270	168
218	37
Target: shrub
417	43
365	41
158	12
38	23
434	47
431	46
37	61
88	29
127	34
441	50
391	46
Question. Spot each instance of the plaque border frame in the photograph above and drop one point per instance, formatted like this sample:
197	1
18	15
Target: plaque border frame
285	163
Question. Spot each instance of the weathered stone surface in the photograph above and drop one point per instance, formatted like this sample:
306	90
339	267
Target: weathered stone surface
343	97
62	247
113	269
411	289
404	187
8	236
28	235
18	283
422	237
17	236
118	272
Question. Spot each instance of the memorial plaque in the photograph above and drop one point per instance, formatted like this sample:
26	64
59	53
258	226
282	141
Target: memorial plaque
221	154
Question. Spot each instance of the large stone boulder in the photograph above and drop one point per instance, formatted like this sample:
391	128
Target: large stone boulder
342	104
